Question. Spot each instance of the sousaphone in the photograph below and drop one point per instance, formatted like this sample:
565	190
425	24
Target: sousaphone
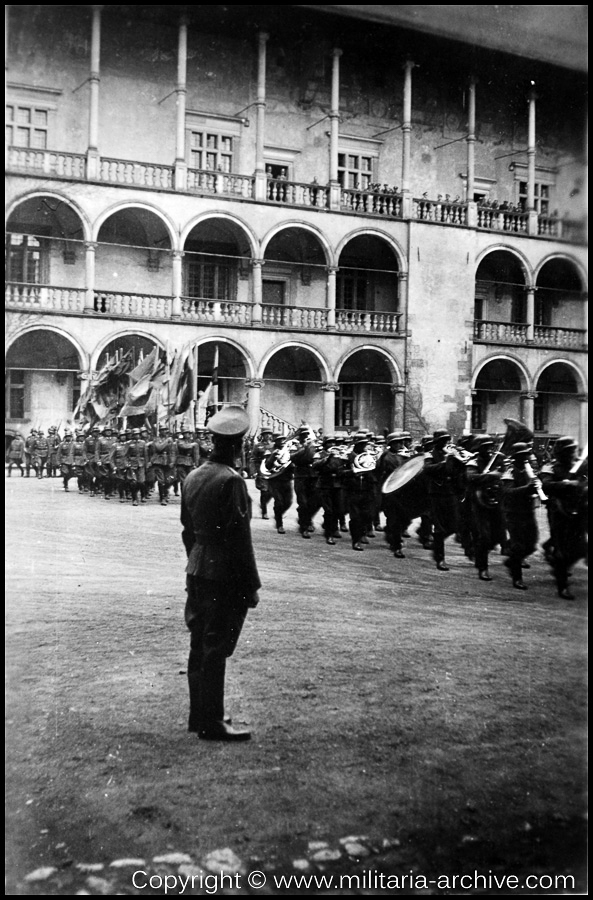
275	463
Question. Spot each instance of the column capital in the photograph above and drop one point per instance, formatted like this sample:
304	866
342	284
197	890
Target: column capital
256	383
258	262
529	395
472	80
263	36
332	270
90	245
397	389
582	398
336	52
178	254
402	276
330	386
409	64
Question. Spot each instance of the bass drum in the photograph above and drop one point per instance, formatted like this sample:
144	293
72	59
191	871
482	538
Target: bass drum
407	488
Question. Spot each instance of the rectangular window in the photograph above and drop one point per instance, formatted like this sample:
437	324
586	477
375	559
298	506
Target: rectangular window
351	290
355	171
478	413
274	292
16	394
209	280
344	417
211	151
542	197
26	259
26	126
540	413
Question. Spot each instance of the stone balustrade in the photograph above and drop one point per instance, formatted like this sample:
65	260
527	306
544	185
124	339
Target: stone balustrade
204	181
295	318
46	162
444	212
356	321
296	193
137	174
552	336
501	332
373	203
221	312
44	297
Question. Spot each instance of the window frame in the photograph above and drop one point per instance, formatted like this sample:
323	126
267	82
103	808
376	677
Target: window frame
13	251
11	387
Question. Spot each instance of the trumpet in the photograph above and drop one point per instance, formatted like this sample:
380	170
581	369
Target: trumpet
459	453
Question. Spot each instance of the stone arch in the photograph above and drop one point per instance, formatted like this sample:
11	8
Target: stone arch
398	251
564	257
519	256
14	337
129	333
67	201
526	384
228	217
303	226
367	397
123	205
302	345
501	388
390	360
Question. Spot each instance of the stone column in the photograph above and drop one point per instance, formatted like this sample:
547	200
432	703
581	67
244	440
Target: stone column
92	157
254	388
89	297
527	408
530	292
532	222
472	209
330	389
334	133
256	312
583	420
177	283
330	297
586	318
181	95
406	139
402	300
398	392
261	182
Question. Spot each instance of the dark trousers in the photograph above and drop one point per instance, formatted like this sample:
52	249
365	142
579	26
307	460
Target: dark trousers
443	509
308	501
331	502
283	495
214	614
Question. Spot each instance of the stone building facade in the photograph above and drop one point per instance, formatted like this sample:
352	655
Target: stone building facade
367	225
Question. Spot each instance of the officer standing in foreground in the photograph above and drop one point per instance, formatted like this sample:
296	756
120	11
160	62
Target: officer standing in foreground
222	578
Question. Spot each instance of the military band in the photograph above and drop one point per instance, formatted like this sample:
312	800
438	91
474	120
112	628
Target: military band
482	493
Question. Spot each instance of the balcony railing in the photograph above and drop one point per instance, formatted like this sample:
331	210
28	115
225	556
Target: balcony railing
44	297
501	332
46	162
503	220
371	203
121	172
444	211
204	181
297	193
123	304
295	318
137	174
559	337
219	312
355	321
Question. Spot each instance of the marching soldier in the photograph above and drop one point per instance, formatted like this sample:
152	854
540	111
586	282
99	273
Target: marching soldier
103	464
16	454
482	505
519	497
395	525
187	455
330	471
40	452
118	459
204	445
281	470
359	486
79	460
53	440
260	450
65	458
91	473
443	503
162	461
566	490
305	481
137	458
29	455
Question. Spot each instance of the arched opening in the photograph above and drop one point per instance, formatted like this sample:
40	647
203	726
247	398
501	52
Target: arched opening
294	276
292	391
497	395
42	381
367	279
44	253
365	398
500	305
216	267
559	309
132	261
136	346
557	407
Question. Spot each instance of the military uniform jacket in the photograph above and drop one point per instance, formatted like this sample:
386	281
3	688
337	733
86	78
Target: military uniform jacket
118	456
16	451
162	452
29	443
302	460
215	515
41	447
187	453
65	453
137	454
103	450
79	453
330	470
518	493
438	468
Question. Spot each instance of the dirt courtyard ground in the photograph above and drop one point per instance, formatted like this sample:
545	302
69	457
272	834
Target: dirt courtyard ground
406	723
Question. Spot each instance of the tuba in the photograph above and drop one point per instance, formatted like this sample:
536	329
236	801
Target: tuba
363	462
275	462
